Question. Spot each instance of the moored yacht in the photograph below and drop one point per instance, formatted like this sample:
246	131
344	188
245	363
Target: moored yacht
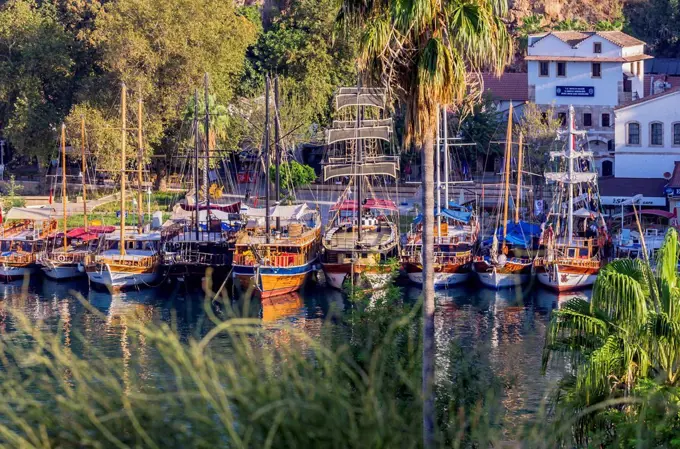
22	240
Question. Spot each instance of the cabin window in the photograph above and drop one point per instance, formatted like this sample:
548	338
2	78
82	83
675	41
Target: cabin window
605	120
597	47
583	253
633	133
587	119
571	253
676	134
596	70
562	69
656	134
544	68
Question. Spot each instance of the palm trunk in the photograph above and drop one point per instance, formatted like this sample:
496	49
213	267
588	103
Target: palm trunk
428	289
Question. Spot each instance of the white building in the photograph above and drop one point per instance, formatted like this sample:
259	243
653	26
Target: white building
593	71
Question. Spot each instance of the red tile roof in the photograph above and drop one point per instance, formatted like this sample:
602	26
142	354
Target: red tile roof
510	86
573	38
674	182
587	58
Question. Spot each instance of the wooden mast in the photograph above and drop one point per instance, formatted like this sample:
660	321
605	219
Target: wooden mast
84	165
196	174
63	179
508	153
123	106
519	178
267	218
140	153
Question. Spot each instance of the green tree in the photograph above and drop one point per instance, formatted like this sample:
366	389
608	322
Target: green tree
571	25
481	126
161	49
627	335
539	126
292	175
36	71
423	50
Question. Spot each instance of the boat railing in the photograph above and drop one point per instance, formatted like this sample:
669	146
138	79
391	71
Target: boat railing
194	257
18	258
60	257
275	260
142	262
586	263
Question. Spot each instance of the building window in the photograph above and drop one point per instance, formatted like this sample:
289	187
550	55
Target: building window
610	145
596	70
639	67
597	47
562	69
562	117
544	68
587	119
676	134
633	134
607	168
656	134
605	120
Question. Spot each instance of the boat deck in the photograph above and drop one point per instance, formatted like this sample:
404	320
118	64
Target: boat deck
341	239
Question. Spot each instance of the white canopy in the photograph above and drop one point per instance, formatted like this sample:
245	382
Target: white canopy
287	212
30	213
220	215
585	213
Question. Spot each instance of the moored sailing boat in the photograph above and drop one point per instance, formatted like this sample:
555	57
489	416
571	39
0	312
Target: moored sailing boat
570	262
22	241
455	235
505	264
128	259
361	237
276	257
66	253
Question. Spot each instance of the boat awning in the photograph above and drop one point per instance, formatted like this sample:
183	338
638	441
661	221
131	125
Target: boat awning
288	212
371	203
233	208
456	215
585	213
30	213
655	212
216	213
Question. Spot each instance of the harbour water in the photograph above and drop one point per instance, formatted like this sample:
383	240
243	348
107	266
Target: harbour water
507	326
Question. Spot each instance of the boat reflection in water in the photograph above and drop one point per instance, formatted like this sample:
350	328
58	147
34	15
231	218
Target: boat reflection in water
283	307
555	300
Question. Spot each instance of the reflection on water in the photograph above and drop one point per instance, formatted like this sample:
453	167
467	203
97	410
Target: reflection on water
507	325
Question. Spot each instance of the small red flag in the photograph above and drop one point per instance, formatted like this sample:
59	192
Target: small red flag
51	191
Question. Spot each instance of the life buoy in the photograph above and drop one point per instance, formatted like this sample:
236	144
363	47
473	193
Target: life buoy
61	258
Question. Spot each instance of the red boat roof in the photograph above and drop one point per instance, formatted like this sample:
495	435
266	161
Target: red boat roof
370	203
657	212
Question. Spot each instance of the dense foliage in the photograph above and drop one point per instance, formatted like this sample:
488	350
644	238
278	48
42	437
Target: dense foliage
625	350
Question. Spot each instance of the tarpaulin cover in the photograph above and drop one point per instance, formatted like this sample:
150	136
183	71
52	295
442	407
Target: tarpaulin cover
370	203
229	208
518	234
456	215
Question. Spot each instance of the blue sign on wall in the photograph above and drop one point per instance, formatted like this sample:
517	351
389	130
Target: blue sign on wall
575	91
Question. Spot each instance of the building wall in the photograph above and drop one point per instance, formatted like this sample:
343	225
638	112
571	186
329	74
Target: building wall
645	160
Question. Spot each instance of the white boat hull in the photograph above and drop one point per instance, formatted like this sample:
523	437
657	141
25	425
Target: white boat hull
63	272
566	281
441	280
9	273
335	280
120	280
495	280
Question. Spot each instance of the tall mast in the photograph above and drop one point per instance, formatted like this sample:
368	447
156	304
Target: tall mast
63	178
360	160
277	146
508	153
84	165
207	154
519	178
438	167
570	146
123	174
196	184
446	160
266	157
140	153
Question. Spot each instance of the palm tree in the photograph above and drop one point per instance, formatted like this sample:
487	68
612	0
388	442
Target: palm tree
428	53
630	331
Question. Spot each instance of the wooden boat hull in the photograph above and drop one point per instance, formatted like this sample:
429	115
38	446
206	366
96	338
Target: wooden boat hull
59	272
9	273
444	275
497	277
565	277
368	276
273	281
116	277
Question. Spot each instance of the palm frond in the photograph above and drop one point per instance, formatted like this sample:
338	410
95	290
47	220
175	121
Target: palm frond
667	258
622	291
597	376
